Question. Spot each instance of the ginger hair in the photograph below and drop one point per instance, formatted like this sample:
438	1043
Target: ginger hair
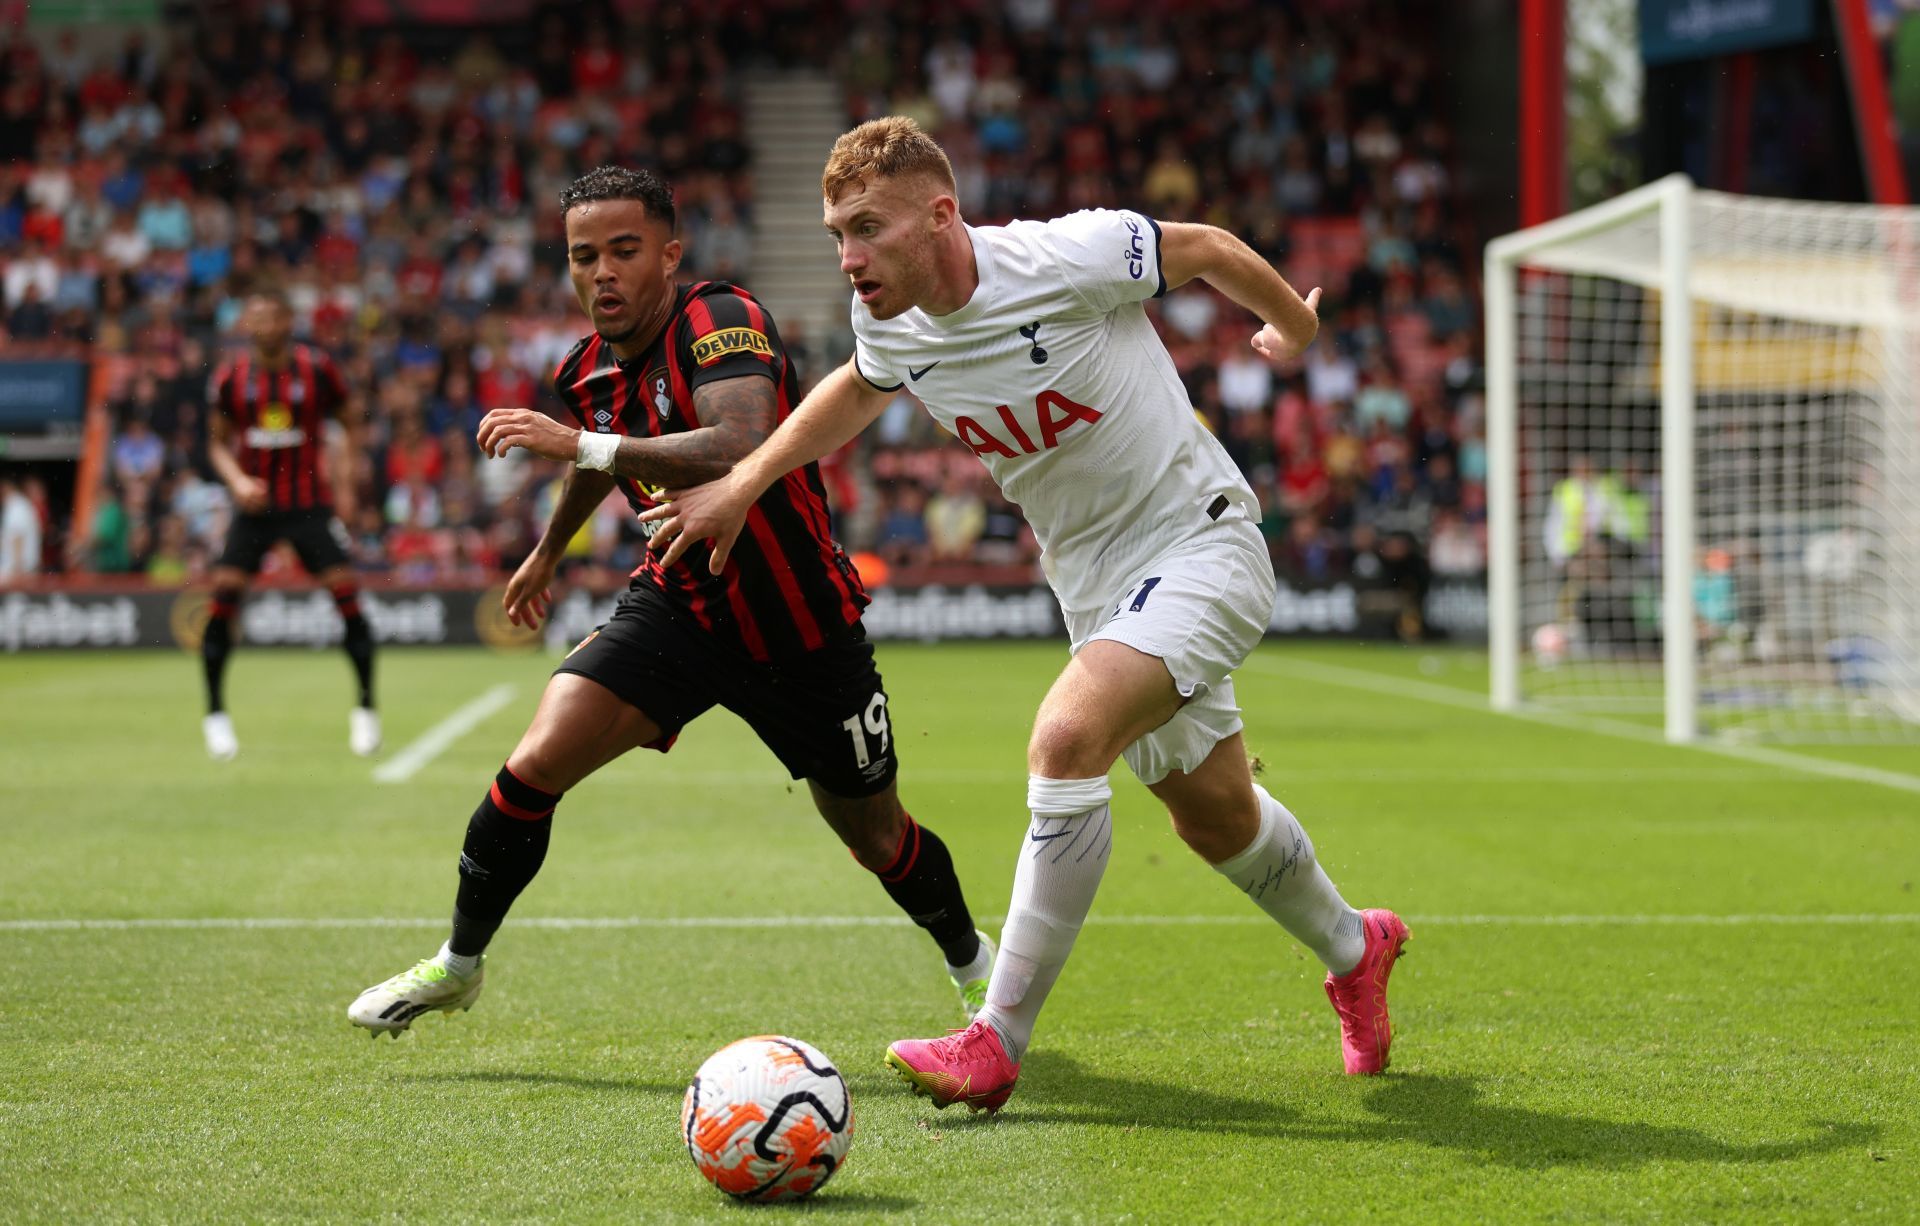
891	147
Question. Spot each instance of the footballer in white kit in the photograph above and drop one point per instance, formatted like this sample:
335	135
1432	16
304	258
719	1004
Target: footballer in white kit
1053	375
1031	344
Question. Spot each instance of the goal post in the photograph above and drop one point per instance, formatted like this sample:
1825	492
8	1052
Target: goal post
1707	517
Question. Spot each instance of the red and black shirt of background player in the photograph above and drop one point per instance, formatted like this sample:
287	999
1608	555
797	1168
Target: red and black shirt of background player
276	418
787	586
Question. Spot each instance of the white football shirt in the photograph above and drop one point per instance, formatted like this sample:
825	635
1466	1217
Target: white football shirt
1053	376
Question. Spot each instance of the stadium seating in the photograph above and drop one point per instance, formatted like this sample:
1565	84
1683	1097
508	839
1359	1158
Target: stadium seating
403	192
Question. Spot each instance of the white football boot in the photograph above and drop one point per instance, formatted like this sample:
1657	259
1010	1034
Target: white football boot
425	987
363	731
222	744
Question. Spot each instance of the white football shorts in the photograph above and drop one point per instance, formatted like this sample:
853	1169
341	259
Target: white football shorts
1201	608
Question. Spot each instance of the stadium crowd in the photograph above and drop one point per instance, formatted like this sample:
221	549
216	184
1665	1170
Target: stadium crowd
403	194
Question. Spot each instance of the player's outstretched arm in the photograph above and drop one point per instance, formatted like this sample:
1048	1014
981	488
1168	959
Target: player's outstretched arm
839	408
1237	270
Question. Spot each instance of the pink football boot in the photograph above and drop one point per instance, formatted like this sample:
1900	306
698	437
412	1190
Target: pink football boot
967	1066
1360	995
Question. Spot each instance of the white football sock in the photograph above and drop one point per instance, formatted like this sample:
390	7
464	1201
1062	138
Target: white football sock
1279	872
1061	861
459	964
982	962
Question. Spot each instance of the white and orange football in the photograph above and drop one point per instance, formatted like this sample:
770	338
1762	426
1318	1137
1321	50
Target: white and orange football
767	1119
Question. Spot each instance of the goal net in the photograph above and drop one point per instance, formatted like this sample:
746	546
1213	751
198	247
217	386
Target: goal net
1704	465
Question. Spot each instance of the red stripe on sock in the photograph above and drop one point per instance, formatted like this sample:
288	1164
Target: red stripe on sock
512	810
908	851
530	787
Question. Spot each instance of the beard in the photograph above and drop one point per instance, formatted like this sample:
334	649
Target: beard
617	338
888	310
908	287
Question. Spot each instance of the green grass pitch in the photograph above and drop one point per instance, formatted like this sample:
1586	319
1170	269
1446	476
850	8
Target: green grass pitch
1599	1065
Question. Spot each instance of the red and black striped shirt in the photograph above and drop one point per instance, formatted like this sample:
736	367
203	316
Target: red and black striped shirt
787	585
276	419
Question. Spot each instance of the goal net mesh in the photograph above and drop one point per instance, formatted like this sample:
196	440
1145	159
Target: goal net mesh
1806	450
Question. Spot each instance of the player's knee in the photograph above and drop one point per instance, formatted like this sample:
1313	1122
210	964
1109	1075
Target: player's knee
226	600
1069	746
346	599
547	767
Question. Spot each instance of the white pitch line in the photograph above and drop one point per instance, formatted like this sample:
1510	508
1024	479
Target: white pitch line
431	743
911	776
1405	687
580	923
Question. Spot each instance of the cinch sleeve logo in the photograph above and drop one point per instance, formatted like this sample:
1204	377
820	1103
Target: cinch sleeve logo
716	345
1136	250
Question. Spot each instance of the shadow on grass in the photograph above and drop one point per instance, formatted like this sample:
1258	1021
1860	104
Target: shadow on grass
1056	1088
1443	1112
501	1077
1451	1113
834	1199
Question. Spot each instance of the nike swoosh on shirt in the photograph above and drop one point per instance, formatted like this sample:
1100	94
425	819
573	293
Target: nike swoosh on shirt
922	372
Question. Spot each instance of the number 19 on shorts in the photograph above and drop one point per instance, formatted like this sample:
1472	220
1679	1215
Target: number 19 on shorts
873	723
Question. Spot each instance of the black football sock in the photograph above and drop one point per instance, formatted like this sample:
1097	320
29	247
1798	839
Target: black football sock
921	881
346	598
216	644
506	843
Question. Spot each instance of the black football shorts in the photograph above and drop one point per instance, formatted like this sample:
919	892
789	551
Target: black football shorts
317	536
823	713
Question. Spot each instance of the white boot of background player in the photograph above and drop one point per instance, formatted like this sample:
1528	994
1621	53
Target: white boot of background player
222	744
363	731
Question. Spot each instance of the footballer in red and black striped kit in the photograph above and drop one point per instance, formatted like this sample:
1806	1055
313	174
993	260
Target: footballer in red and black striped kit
675	384
789	587
268	440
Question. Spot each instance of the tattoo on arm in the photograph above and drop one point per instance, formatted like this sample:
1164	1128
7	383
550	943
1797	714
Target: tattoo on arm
738	414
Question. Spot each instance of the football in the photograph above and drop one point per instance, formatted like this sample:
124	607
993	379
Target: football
1550	645
767	1119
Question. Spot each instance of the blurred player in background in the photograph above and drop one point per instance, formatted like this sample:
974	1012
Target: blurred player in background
673	386
267	441
1029	343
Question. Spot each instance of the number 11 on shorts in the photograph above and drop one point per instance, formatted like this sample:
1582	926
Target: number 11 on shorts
873	723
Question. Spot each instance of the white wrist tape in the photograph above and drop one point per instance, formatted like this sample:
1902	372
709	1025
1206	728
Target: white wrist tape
596	451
